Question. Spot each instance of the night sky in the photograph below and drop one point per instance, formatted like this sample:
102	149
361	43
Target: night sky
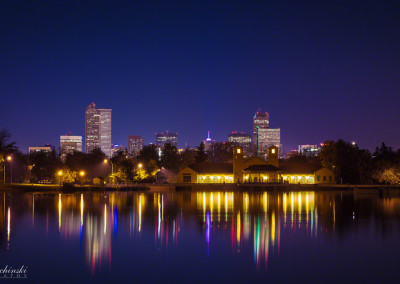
323	70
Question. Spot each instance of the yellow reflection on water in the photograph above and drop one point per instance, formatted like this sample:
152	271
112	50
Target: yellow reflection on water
238	230
273	228
59	211
81	209
8	223
105	218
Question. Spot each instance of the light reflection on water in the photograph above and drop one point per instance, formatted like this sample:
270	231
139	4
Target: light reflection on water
255	225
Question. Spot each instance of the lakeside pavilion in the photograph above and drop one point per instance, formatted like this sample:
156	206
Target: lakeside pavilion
256	170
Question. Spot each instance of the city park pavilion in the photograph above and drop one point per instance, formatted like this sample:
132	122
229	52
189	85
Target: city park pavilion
256	170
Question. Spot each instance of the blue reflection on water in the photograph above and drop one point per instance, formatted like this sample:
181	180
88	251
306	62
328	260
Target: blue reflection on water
279	237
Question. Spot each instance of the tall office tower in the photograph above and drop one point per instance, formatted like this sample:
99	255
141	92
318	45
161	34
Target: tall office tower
105	131
266	137
260	120
241	139
69	144
135	145
164	138
208	143
98	129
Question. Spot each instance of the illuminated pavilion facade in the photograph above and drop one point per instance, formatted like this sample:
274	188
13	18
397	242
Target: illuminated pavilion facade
255	170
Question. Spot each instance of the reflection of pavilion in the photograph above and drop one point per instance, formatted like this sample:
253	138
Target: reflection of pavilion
252	222
257	218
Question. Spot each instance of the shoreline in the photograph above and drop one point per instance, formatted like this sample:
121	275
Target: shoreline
359	189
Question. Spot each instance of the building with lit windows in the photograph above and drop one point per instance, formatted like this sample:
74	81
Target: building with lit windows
116	149
309	150
260	120
166	137
98	129
105	131
256	170
69	144
43	149
241	139
265	138
135	145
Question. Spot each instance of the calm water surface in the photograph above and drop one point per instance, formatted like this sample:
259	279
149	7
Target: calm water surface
194	237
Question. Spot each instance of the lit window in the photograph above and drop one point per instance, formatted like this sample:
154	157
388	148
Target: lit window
273	151
238	151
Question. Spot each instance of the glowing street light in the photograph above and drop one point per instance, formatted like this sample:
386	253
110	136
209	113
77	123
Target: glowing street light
140	166
60	174
112	165
82	174
9	159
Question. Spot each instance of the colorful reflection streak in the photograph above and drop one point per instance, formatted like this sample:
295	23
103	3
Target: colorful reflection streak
258	218
250	224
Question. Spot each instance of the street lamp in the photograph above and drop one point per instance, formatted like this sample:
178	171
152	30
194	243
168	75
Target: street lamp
140	166
9	159
60	174
112	165
82	174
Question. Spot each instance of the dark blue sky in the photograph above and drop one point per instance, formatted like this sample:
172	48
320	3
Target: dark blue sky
323	70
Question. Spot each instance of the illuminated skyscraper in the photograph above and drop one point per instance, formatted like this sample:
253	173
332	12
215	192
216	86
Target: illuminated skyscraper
98	129
135	145
263	136
105	131
260	120
241	139
164	138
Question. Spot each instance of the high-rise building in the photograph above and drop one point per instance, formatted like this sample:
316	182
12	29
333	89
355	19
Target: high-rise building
241	139
266	137
98	129
69	144
166	137
208	143
260	120
105	131
135	145
263	136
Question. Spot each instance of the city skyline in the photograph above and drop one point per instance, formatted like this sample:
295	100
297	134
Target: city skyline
323	71
285	149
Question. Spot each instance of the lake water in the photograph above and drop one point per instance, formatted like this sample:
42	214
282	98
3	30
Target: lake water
201	237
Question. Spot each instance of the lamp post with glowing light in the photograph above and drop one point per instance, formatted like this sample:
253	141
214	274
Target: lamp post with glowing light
9	159
138	167
60	174
112	165
82	174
